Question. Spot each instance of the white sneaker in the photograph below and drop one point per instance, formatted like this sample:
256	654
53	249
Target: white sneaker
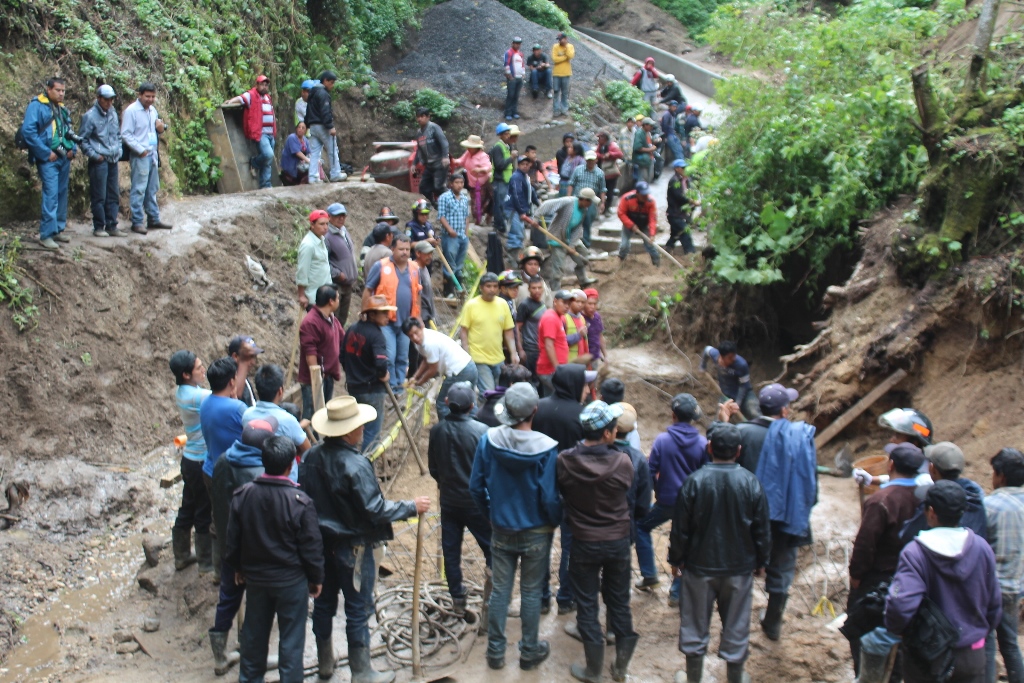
339	178
550	96
253	172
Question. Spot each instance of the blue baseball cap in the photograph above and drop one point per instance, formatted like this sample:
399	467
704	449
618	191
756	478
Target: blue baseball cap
308	84
337	209
679	163
502	128
643	188
598	415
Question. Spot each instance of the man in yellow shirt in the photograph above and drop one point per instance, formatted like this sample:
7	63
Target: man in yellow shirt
562	55
486	320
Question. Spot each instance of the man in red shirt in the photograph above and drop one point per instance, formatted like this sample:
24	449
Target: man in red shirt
553	346
637	211
320	336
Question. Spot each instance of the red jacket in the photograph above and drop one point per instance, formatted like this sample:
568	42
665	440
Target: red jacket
320	337
632	215
252	118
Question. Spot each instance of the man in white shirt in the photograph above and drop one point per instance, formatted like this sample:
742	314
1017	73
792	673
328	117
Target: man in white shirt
140	128
439	355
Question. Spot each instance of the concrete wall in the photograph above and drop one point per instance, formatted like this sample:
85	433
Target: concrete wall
688	73
230	144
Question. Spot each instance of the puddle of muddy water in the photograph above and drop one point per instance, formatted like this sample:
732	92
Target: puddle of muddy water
40	653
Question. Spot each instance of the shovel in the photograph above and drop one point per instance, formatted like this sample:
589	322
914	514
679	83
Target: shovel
417	665
843	465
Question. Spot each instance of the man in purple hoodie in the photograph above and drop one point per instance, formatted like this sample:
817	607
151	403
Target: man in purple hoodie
676	453
956	569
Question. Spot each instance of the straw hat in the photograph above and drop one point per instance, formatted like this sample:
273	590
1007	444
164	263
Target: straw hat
513	130
473	142
378	303
341	416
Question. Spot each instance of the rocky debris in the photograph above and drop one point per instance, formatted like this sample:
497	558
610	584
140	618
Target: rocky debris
128	647
123	636
152	546
151	579
460	48
151	625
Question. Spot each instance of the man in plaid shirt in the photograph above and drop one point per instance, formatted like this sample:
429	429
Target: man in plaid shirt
453	214
1004	510
593	177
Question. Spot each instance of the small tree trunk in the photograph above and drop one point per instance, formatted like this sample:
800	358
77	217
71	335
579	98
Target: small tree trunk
932	117
975	79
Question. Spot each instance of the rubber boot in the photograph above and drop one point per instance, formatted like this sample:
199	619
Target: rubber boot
734	673
694	670
771	624
594	653
204	552
181	542
325	657
362	672
624	648
222	661
875	668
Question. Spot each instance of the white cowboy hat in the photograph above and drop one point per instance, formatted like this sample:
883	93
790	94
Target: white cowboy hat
473	142
341	416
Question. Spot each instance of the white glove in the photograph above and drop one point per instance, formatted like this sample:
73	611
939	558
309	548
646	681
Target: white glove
883	479
862	477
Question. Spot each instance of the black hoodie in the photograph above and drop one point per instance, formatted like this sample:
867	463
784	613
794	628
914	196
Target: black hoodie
558	415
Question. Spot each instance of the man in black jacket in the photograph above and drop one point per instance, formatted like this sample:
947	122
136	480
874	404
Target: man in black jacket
432	154
597	482
450	453
275	548
364	358
323	136
558	416
355	521
720	535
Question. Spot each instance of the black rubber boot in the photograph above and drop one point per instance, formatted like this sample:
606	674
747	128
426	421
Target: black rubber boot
694	670
204	552
362	672
591	673
181	542
325	657
222	661
734	673
624	648
771	624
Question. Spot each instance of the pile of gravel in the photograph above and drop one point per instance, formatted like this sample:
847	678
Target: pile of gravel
461	45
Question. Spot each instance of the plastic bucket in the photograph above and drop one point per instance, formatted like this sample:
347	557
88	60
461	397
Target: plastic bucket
875	465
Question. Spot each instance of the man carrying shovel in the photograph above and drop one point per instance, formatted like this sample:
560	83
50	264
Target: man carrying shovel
564	231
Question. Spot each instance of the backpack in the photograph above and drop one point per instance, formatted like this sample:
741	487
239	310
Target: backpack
19	140
930	639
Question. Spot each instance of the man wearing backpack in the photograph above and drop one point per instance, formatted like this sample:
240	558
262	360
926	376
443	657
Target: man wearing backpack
47	135
949	570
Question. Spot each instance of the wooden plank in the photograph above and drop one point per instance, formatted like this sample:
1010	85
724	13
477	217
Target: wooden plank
859	407
171	478
316	377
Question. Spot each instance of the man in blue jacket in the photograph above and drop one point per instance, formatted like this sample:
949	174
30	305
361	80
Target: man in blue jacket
514	468
945	462
676	453
519	205
100	131
46	130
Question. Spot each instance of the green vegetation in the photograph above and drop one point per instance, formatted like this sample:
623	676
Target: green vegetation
695	15
627	99
543	12
17	296
441	107
824	142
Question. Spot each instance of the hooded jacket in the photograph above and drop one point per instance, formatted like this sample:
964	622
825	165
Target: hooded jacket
676	453
101	134
513	481
318	109
239	465
974	518
595	482
558	415
957	570
450	453
41	132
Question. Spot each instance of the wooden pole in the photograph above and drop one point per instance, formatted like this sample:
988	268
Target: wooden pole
417	667
316	381
295	349
859	407
657	246
444	261
543	227
405	428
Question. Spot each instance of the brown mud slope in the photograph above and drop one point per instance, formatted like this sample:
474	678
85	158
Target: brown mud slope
91	380
956	337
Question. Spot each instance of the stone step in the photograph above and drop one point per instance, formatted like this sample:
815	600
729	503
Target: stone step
611	245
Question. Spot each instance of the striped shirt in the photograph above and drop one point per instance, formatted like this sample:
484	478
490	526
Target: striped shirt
268	111
1004	509
582	178
455	211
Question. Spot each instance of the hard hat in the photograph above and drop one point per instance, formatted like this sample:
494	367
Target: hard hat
908	421
531	253
421	206
508	278
501	128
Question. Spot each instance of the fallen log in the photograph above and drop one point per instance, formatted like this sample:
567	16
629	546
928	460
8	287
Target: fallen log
859	407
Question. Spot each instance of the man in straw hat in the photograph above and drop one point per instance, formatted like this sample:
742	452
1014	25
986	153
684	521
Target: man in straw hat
355	522
477	164
364	358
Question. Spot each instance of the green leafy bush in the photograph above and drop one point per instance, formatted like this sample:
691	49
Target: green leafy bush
822	139
198	168
441	107
543	12
626	98
695	15
17	296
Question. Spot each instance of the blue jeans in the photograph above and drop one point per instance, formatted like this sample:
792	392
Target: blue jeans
54	176
675	145
103	194
322	143
454	522
563	188
468	374
781	565
515	85
145	184
561	91
501	215
1006	636
533	553
398	353
658	515
264	160
291	605
487	376
565	596
455	250
588	222
540	79
516	232
307	396
229	600
371	429
339	570
624	247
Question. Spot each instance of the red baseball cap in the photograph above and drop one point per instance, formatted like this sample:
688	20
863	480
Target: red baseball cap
261	78
317	215
591	293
